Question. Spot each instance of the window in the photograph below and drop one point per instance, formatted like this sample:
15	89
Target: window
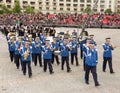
101	6
54	8
32	3
118	6
68	9
102	1
8	1
75	5
82	1
81	5
9	6
88	5
61	4
67	4
54	4
88	1
25	2
47	8
81	9
47	3
40	8
75	0
61	9
68	0
102	10
75	9
33	7
40	3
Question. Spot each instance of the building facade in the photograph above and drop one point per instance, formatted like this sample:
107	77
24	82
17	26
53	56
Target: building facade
65	6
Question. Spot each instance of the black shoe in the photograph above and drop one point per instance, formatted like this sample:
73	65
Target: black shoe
103	70
62	68
30	75
17	67
69	70
44	70
87	82
112	72
58	63
24	74
41	66
52	72
97	84
77	64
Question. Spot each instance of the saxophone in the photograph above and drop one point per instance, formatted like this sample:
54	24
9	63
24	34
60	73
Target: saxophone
26	54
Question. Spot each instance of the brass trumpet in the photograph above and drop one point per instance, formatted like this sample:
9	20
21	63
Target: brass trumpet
26	54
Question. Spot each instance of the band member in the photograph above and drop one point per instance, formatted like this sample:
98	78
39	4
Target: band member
91	61
82	40
85	46
26	58
47	56
36	49
64	47
11	45
92	39
55	46
18	44
43	36
74	46
107	55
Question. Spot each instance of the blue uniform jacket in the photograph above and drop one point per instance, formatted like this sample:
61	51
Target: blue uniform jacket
91	57
82	42
11	46
35	48
107	50
64	50
22	51
47	53
17	46
55	45
74	46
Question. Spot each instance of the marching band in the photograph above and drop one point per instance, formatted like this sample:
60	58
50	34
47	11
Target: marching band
26	48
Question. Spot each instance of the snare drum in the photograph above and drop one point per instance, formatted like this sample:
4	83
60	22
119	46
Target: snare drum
57	52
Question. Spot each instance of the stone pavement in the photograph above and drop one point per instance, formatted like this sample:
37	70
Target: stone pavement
12	80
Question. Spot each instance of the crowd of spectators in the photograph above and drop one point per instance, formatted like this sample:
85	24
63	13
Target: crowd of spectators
61	18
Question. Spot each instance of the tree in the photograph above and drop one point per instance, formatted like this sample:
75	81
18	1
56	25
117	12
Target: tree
29	9
108	11
118	11
87	10
4	9
17	8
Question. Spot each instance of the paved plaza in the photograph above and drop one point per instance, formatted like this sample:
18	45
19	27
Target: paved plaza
13	81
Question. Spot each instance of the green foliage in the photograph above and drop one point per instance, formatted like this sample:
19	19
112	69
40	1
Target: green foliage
118	11
87	10
4	9
108	11
17	7
29	9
